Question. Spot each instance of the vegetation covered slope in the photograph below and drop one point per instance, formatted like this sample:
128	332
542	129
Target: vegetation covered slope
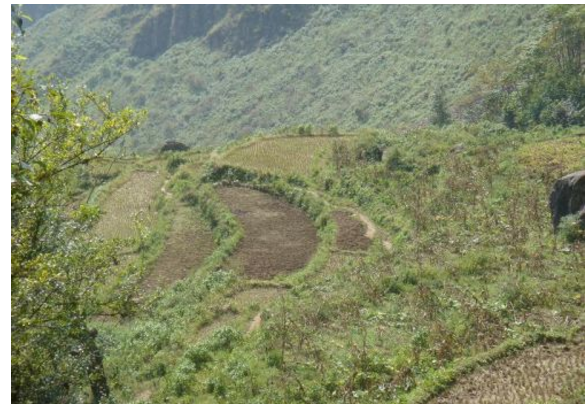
461	267
473	274
263	67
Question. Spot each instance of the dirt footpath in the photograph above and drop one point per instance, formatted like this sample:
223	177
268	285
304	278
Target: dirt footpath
279	238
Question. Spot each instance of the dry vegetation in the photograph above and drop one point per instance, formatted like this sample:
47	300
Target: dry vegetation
541	374
285	156
554	158
130	205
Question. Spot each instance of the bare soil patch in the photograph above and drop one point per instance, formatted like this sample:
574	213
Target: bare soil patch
190	241
543	373
352	233
279	238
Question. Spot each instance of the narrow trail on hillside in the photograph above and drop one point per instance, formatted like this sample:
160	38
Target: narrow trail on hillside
279	238
543	373
164	189
242	311
372	231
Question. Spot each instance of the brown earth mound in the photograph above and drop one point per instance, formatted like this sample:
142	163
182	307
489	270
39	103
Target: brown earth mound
351	232
279	237
189	243
544	373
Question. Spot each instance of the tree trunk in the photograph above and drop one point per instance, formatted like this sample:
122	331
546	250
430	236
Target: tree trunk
98	380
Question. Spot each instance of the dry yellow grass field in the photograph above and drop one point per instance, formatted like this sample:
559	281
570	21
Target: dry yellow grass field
131	201
554	158
283	155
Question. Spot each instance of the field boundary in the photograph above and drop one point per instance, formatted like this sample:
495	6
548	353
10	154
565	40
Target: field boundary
315	207
444	378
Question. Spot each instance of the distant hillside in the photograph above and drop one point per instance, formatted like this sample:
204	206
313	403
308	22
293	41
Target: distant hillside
38	11
210	73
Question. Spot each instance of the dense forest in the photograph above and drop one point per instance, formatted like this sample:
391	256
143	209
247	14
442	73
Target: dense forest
297	204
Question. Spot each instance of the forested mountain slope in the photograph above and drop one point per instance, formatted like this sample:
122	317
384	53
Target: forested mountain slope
208	74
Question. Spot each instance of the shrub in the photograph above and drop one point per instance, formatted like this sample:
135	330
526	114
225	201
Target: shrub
181	380
571	228
173	162
198	356
441	116
396	162
224	338
370	147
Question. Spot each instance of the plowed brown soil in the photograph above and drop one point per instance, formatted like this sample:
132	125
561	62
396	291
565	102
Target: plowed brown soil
189	243
279	238
541	374
352	233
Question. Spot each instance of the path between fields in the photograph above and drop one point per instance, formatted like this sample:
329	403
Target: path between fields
371	229
241	310
280	238
164	189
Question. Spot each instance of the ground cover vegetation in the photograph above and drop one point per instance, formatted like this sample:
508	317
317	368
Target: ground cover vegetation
425	264
368	66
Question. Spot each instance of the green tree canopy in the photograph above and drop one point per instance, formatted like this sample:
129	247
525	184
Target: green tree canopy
57	266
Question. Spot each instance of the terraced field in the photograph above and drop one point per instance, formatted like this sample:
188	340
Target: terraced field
279	238
541	374
283	155
190	241
132	200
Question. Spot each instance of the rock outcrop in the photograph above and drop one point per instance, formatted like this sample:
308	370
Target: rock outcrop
235	29
568	197
172	145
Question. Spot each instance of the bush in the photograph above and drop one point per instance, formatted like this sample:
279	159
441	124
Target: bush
181	380
562	113
198	356
370	147
571	228
173	162
224	338
396	162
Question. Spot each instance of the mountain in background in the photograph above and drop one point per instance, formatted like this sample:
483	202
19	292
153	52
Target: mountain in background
211	73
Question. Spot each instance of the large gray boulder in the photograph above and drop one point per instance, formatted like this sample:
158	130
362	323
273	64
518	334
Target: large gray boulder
568	197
